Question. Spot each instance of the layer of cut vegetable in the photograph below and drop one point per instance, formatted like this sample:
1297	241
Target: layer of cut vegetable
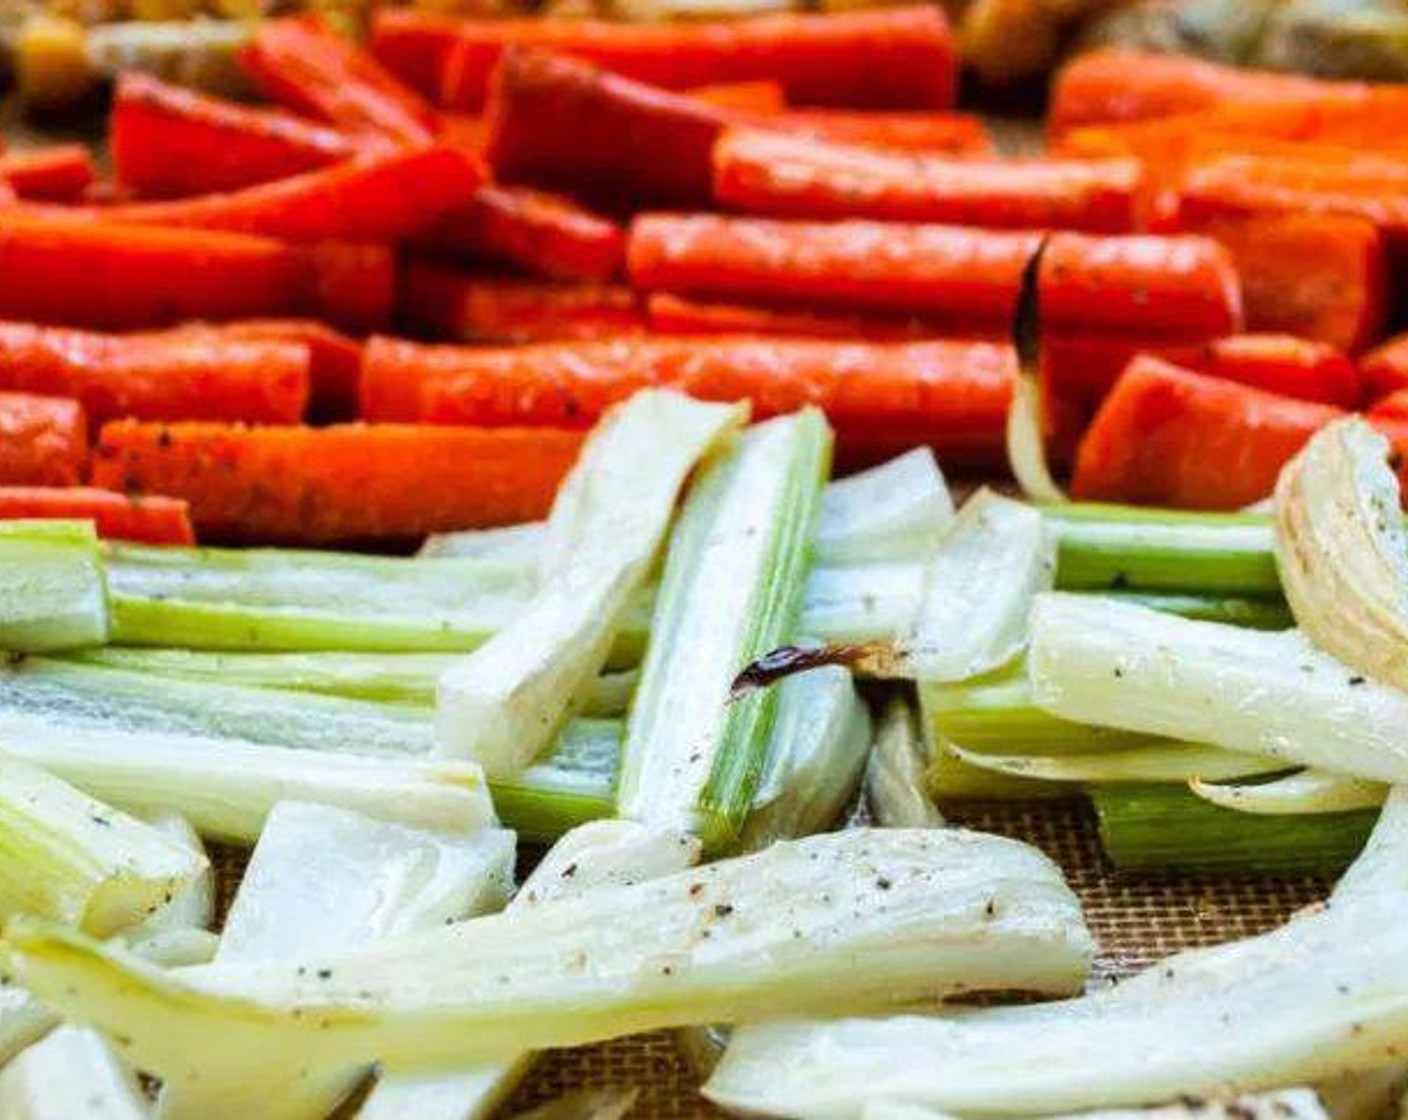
178	933
71	1073
847	921
895	784
1285	1104
506	702
895	511
70	858
730	592
1161	761
52	591
1305	791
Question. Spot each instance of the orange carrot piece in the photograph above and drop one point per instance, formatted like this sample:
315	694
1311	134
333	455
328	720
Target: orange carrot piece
670	314
177	375
539	233
789	176
881	397
346	484
43	440
962	276
1393	407
382	197
57	174
1169	436
168	141
896	58
114	277
414	46
467	308
1322	277
147	519
303	63
934	132
763	96
1293	367
1081	368
1384	370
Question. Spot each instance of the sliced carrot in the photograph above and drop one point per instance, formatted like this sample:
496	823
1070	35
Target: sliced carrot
670	314
57	174
1393	407
386	196
763	96
935	132
542	234
881	397
108	276
344	484
1384	370
168	141
414	46
43	440
1290	366
467	308
1080	368
964	277
148	519
896	58
175	375
303	63
789	176
1322	277
1169	436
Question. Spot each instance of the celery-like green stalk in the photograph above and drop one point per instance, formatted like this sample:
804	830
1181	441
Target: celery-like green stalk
1166	828
895	779
71	1073
731	591
52	592
1257	612
505	702
573	784
1161	761
1303	791
66	856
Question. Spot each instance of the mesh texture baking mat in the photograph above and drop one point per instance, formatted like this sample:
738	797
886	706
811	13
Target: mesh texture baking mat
1136	920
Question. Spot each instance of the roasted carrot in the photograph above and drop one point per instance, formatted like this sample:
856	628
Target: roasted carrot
1393	407
43	440
339	485
1169	436
1284	364
881	397
1322	277
303	63
114	277
475	308
1081	367
414	46
935	132
386	196
168	141
1384	369
563	124
1125	85
762	96
789	176
148	519
962	276
541	234
897	58
669	314
57	174
174	375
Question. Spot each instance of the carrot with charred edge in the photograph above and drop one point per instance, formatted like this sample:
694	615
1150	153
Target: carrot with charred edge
880	397
464	308
790	176
1284	364
896	58
1322	277
965	277
114	277
383	197
43	440
340	485
563	124
539	233
177	375
1384	369
148	519
58	174
763	96
1169	436
669	314
303	63
168	141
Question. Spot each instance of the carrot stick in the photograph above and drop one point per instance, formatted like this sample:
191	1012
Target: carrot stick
148	519
43	440
791	176
1321	277
897	58
57	174
414	47
1384	370
563	124
114	277
1393	407
1081	368
962	276
467	308
1284	364
168	141
382	197
670	314
178	375
881	397
339	485
539	233
303	63
761	97
1169	436
934	132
